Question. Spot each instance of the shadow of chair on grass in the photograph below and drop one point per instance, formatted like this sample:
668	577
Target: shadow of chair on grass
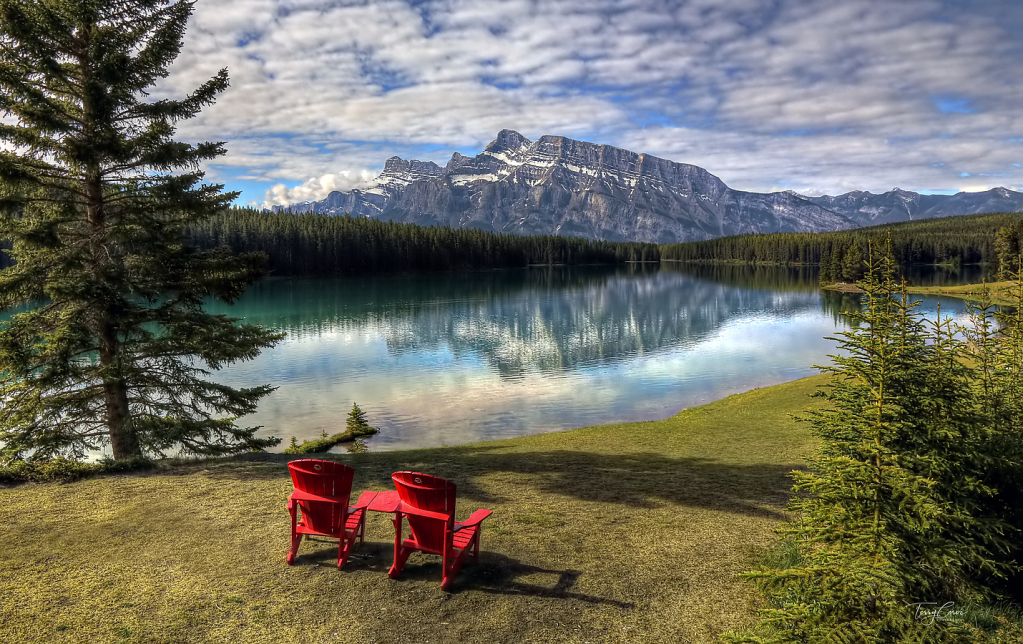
502	575
494	573
640	479
634	480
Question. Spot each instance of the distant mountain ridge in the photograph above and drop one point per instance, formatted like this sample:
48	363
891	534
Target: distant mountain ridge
868	209
556	185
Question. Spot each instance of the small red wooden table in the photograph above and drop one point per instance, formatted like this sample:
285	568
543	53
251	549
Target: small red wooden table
382	501
379	501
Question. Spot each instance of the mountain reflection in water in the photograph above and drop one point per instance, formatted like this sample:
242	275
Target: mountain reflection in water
442	359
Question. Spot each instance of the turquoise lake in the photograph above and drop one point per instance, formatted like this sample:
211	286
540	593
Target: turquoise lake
446	359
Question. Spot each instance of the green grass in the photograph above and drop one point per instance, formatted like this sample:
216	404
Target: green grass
1000	293
321	445
620	533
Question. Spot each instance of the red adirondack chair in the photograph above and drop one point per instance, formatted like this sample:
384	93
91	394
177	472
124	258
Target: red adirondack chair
429	503
321	491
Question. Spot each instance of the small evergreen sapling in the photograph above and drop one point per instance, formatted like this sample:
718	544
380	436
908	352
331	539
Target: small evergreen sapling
356	422
357	425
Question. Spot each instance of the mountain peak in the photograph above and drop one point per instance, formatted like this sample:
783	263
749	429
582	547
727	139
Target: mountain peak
508	140
398	170
457	160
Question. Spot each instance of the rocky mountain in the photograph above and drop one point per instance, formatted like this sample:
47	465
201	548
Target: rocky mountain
868	209
557	185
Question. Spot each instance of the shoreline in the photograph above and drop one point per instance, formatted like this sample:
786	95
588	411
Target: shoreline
999	293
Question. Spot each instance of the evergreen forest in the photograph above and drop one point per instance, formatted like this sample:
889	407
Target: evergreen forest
991	238
328	245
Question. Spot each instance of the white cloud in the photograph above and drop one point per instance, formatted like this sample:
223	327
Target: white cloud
317	188
813	93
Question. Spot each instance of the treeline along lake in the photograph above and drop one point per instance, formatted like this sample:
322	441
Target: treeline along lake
320	245
328	245
993	239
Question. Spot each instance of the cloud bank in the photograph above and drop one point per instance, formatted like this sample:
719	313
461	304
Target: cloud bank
811	95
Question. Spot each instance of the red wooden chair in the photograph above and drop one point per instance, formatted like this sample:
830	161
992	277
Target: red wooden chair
429	504
321	492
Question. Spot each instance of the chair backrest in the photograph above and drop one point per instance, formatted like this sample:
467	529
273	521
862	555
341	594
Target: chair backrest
323	478
430	493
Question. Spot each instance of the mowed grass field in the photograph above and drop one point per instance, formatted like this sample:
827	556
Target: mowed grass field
618	533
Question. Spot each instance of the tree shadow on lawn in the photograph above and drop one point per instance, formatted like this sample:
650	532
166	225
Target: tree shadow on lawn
636	480
493	573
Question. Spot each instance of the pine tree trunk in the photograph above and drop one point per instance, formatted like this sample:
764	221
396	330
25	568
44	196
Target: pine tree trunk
123	441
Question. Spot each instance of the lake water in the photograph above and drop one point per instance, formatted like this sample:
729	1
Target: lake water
445	359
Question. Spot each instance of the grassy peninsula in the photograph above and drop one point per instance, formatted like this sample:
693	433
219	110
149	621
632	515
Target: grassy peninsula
997	292
617	533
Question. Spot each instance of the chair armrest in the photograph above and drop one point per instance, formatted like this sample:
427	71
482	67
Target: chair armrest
299	495
473	521
405	508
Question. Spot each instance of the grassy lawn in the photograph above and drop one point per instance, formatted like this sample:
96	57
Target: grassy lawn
619	533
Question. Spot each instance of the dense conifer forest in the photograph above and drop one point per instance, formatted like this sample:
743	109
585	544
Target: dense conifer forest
326	245
984	238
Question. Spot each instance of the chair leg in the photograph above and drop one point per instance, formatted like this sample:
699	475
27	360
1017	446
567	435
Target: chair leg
471	550
344	548
447	580
296	538
296	541
399	561
451	572
401	554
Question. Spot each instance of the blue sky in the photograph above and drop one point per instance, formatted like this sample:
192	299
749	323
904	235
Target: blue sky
817	96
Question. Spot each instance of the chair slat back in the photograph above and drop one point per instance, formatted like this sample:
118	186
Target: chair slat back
430	493
323	478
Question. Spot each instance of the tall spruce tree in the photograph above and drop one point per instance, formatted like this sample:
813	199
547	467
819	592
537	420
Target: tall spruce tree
996	353
108	342
895	513
1007	250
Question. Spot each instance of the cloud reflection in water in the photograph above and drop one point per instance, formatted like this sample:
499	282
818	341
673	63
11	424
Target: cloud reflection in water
455	358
